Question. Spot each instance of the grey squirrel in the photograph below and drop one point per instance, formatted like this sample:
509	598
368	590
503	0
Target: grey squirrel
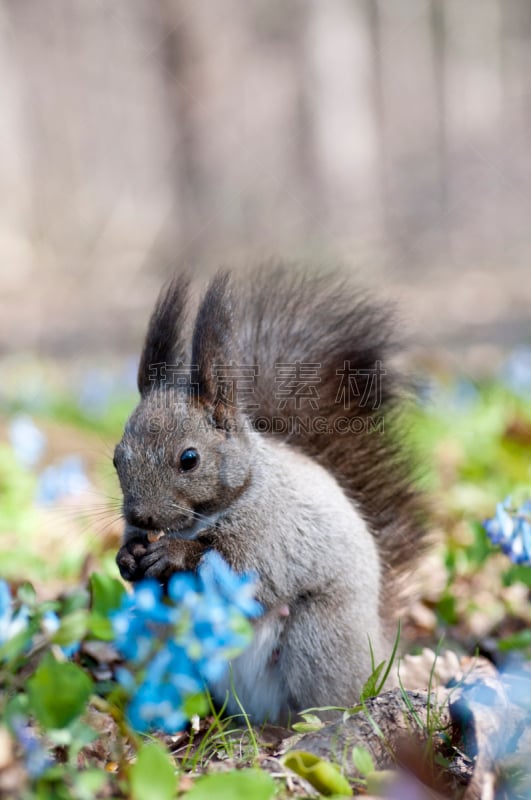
292	470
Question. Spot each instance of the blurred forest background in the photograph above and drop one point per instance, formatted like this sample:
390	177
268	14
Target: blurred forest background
139	135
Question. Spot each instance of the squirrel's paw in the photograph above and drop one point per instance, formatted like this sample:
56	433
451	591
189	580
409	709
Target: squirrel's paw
168	555
129	557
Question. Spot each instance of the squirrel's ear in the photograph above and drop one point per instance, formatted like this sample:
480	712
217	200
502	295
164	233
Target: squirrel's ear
212	345
164	344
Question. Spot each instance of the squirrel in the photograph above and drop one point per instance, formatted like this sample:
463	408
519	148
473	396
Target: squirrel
292	470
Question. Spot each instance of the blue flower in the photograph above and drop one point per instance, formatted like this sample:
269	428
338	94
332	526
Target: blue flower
132	637
182	672
62	480
50	623
157	706
149	603
95	392
175	643
11	624
26	439
216	600
516	371
36	758
183	587
157	700
456	397
218	578
511	530
138	621
71	649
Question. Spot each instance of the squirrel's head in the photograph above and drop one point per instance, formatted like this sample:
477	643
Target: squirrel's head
185	453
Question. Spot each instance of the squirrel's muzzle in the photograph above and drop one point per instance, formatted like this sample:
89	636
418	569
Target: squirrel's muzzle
137	519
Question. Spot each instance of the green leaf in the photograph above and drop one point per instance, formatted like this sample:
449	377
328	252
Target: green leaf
362	760
73	628
481	547
17	706
27	595
370	687
106	593
53	785
517	641
58	692
61	737
447	609
75	600
245	784
323	775
88	783
310	723
153	774
196	704
519	573
106	597
100	627
81	735
13	648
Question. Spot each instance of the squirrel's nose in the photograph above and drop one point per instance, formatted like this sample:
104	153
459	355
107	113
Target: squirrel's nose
139	520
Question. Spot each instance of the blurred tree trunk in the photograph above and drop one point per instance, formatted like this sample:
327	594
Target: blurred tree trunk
139	135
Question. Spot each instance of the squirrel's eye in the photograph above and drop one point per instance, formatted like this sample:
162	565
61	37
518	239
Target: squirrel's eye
189	459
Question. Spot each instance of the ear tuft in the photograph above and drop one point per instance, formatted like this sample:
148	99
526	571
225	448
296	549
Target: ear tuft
212	342
164	344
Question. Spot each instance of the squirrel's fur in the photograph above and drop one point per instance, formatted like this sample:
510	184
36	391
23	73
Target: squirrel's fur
327	518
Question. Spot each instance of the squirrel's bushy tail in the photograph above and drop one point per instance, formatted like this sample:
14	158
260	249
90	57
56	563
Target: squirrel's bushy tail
325	383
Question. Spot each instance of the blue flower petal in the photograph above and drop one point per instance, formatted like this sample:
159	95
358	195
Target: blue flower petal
67	478
511	530
505	522
11	623
27	440
525	533
50	622
182	586
238	590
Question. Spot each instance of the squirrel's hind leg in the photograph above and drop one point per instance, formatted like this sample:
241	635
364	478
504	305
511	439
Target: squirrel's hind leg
324	655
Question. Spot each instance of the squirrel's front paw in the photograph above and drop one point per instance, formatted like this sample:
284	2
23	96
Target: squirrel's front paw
168	555
129	557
